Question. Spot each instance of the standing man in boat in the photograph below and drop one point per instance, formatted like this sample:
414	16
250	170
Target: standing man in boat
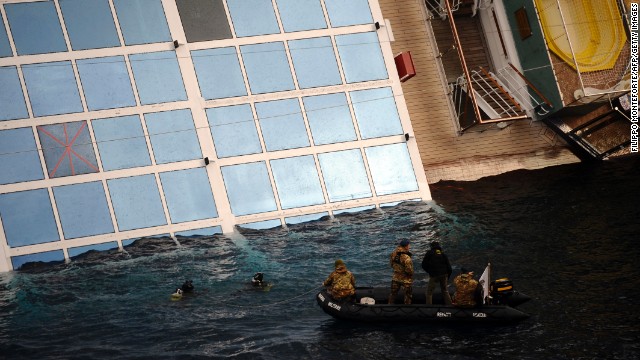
436	264
402	265
341	283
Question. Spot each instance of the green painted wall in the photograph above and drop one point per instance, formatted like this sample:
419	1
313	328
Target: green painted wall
532	52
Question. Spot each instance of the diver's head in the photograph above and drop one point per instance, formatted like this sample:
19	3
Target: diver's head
257	278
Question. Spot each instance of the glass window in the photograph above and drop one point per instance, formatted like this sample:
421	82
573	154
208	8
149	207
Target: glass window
27	218
106	83
204	20
75	251
89	24
12	105
391	169
173	136
136	202
248	188
361	57
142	21
234	130
83	210
47	256
329	118
218	72
297	181
314	62
121	142
262	225
345	13
188	195
282	124
19	159
158	77
253	17
344	175
52	88
5	46
68	149
35	27
201	232
376	112
267	67
305	218
298	15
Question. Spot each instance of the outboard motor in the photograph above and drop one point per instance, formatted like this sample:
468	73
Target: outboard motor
501	290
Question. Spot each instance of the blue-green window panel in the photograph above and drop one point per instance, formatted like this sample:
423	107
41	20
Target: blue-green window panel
48	256
233	129
173	136
282	124
253	17
158	77
5	46
354	210
300	15
142	21
27	218
361	57
267	67
346	13
329	118
121	142
376	113
35	27
297	181
52	88
136	202
262	225
188	195
76	251
391	169
248	188
19	159
106	83
201	232
83	210
12	104
67	149
218	72
89	24
344	174
314	62
304	218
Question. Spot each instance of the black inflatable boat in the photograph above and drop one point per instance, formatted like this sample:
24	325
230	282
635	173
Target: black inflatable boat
370	305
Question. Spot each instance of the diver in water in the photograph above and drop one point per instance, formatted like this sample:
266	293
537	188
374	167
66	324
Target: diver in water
187	287
258	282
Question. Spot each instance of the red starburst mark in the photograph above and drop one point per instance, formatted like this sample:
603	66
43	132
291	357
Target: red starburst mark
68	149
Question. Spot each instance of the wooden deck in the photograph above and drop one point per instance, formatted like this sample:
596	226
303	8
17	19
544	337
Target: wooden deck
446	154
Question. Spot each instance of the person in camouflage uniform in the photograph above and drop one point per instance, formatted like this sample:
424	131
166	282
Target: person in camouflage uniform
400	261
466	289
341	284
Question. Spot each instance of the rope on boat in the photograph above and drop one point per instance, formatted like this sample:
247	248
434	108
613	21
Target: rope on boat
277	302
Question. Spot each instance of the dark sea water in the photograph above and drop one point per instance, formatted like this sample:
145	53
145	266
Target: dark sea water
567	236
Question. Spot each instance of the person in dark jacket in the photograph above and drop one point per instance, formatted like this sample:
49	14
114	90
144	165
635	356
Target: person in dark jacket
436	264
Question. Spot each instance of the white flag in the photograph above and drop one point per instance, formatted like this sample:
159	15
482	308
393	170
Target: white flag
485	280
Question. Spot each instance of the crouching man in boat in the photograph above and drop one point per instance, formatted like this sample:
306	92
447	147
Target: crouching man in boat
468	290
400	261
341	284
